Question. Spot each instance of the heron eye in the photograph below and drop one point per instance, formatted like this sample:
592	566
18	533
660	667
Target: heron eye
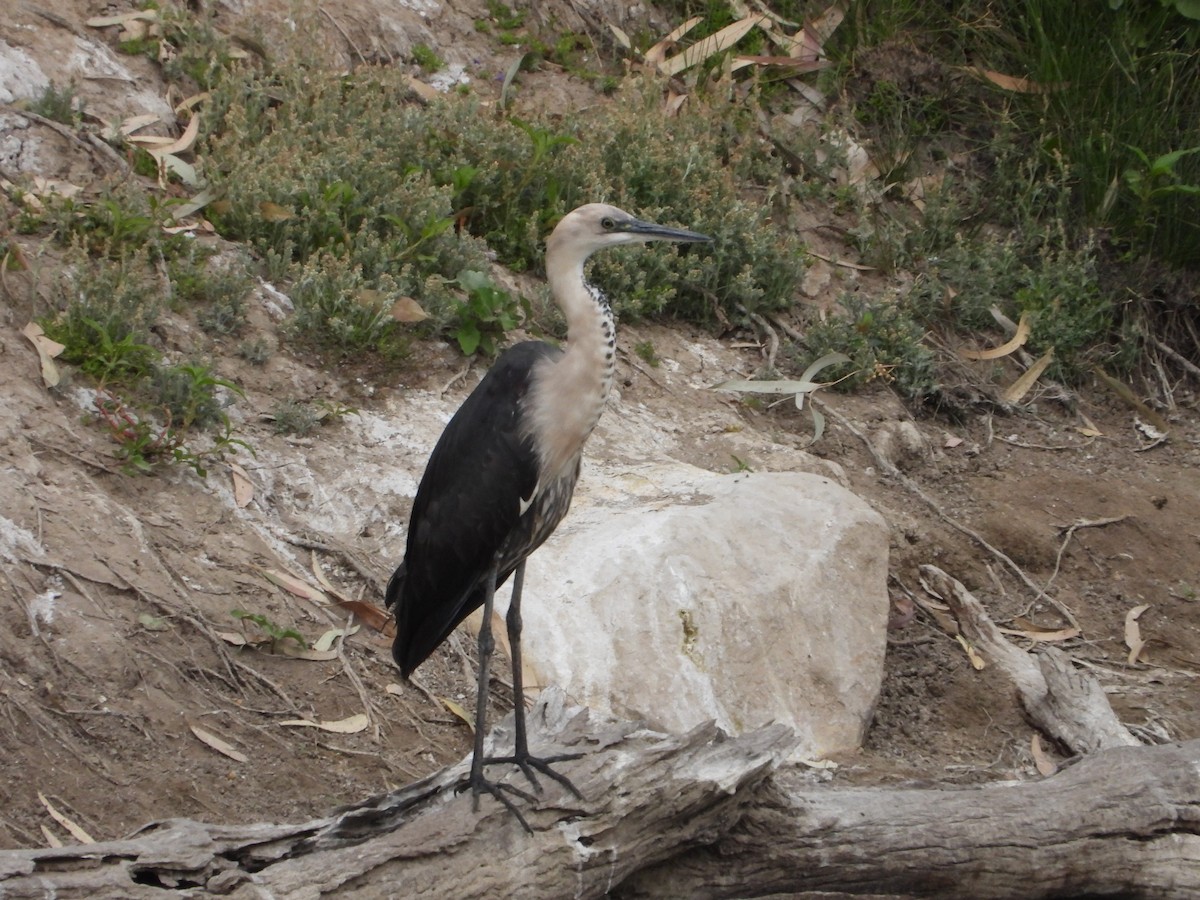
607	223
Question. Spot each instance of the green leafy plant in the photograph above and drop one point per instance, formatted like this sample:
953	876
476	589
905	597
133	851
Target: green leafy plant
145	445
300	418
424	57
882	339
60	105
485	315
275	632
645	351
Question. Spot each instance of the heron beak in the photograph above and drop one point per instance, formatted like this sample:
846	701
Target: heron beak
648	231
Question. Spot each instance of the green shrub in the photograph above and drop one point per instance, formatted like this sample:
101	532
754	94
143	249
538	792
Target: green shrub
343	172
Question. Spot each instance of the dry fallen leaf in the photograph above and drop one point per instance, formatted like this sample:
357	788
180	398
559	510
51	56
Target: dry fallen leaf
47	350
370	615
76	832
351	725
977	662
1037	633
295	586
295	651
1022	385
458	710
710	46
1015	83
425	93
219	745
1017	341
1133	633
273	212
325	642
243	488
51	839
1045	765
406	309
656	54
621	36
240	640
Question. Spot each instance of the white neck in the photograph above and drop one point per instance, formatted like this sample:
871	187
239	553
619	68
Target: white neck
569	393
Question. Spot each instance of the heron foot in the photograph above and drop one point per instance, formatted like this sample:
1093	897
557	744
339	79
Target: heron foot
527	763
480	785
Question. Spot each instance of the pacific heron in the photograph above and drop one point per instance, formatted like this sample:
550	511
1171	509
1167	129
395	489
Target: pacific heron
501	477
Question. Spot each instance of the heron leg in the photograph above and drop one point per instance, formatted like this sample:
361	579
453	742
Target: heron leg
521	757
487	644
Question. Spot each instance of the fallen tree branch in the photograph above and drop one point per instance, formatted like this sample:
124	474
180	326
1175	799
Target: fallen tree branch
706	816
1069	705
1122	823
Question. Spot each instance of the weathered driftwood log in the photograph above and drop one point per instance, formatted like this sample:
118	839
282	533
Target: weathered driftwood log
1067	704
705	816
1123	823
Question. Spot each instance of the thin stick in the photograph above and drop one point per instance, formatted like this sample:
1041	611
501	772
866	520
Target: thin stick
1178	357
1070	530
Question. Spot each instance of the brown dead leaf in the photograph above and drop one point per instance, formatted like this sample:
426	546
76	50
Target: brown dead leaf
183	143
272	212
710	46
425	93
621	36
784	62
458	710
1133	633
243	487
1088	428
240	640
325	642
674	102
370	615
1016	83
1022	385
219	745
821	29
406	309
136	123
1011	346
1033	632
1130	399
192	102
295	586
1041	759
939	611
295	651
350	725
75	831
656	54
977	661
47	350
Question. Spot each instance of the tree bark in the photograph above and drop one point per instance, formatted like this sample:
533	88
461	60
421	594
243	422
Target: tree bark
703	815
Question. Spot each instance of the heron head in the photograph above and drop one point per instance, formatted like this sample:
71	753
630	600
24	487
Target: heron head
597	225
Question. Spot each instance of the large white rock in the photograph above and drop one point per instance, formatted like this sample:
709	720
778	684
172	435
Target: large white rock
678	596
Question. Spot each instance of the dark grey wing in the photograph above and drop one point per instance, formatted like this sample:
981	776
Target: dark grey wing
479	476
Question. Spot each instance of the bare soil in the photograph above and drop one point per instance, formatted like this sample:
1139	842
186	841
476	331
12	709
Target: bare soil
116	593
